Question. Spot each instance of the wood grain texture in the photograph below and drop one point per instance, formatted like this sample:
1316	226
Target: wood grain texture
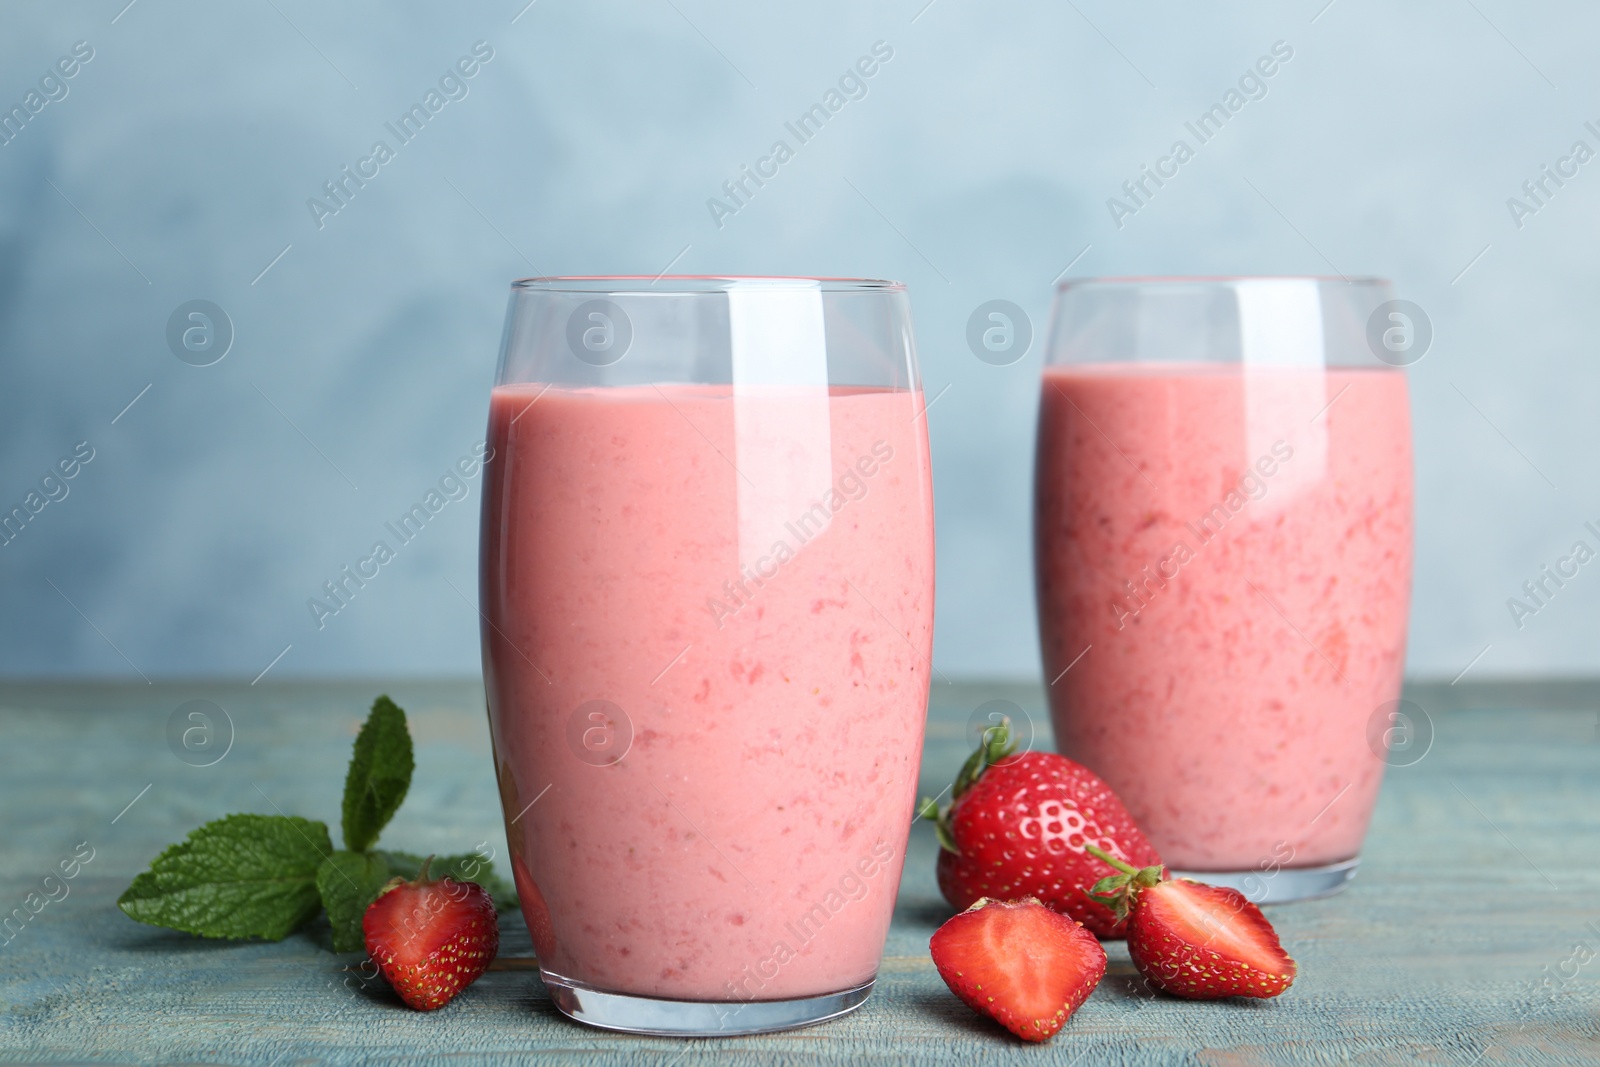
1481	877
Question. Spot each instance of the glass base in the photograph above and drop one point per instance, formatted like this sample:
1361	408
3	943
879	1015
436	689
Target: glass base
1283	885
691	1018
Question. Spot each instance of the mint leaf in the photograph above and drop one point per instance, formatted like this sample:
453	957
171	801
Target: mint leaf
468	867
348	882
379	775
240	876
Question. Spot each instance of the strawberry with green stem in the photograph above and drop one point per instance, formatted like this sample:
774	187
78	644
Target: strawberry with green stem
1019	825
1193	940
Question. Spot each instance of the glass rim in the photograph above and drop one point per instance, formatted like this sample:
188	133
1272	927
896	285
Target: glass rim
692	284
1198	280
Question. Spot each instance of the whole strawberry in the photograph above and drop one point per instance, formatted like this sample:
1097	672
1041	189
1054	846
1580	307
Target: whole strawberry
431	938
1023	965
1018	826
1193	940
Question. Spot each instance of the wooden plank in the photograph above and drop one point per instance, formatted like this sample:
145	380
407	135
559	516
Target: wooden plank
1482	875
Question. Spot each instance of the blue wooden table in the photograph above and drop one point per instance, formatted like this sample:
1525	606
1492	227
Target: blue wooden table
1472	935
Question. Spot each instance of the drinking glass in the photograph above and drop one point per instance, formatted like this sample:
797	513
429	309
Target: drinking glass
1222	548
707	591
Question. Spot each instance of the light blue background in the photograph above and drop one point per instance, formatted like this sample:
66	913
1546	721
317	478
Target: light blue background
977	167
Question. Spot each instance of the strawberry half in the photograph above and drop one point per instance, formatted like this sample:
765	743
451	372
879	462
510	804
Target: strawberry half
1019	825
1195	940
1026	967
431	938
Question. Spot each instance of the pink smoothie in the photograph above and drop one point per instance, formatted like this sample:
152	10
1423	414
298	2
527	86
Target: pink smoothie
749	578
1233	548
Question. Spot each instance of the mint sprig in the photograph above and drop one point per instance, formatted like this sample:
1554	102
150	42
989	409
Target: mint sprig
347	883
379	775
266	876
242	876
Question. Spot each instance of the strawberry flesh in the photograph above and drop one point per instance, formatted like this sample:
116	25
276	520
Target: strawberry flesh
1204	942
431	938
1022	964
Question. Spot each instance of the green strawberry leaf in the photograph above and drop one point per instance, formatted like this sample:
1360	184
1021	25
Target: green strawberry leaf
468	867
1110	884
239	877
379	775
994	745
347	883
